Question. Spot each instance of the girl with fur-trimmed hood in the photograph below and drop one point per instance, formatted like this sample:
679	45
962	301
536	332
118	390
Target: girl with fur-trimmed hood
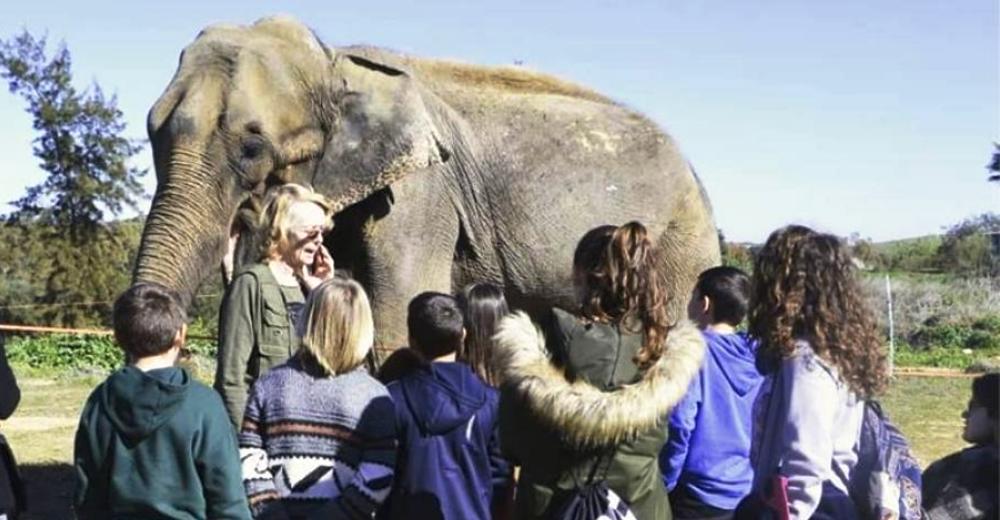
594	391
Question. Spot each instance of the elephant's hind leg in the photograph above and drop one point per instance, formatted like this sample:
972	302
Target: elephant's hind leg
688	246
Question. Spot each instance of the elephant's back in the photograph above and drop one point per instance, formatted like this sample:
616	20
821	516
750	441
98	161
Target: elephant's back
551	183
548	160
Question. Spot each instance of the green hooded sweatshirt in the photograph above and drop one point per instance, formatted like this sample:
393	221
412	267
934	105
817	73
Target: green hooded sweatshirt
156	444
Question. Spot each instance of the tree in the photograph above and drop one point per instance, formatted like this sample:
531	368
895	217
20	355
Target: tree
79	144
965	248
994	166
62	249
735	255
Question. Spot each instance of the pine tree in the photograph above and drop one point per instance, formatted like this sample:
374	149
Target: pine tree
79	144
994	166
64	249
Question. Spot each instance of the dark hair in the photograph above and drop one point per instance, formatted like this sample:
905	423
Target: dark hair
146	319
399	364
435	324
728	288
483	306
986	392
622	284
805	287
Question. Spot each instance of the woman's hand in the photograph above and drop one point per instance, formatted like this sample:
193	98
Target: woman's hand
320	271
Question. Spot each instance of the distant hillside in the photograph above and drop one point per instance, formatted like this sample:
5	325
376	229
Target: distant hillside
919	254
924	243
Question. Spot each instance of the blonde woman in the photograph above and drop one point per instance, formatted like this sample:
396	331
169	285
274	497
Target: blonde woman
319	433
264	300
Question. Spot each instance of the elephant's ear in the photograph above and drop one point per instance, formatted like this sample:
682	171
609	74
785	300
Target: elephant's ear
381	131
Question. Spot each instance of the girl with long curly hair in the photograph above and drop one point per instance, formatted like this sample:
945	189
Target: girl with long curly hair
588	401
819	339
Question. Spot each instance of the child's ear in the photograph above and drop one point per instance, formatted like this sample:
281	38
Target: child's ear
706	305
181	337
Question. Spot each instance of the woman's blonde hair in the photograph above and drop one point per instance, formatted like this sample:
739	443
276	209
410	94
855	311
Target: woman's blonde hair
273	223
336	328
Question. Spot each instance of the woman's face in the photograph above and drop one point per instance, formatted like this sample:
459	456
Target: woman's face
306	224
980	428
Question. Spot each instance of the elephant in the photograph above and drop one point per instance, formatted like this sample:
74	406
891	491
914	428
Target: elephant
440	173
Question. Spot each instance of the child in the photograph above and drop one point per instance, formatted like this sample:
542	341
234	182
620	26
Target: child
483	306
963	485
152	441
596	409
819	340
318	437
706	461
12	500
449	464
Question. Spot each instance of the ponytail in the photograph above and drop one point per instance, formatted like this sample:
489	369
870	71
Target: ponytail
623	285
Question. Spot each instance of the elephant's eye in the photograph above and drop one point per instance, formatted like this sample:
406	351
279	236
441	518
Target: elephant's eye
255	159
253	148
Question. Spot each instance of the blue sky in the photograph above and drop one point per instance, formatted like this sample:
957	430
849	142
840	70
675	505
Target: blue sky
852	116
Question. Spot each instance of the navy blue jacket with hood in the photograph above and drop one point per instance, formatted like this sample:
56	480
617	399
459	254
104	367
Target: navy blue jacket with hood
449	464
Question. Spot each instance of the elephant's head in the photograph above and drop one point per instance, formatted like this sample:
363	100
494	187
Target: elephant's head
253	107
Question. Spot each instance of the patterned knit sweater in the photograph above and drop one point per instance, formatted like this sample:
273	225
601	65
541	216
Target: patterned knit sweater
317	445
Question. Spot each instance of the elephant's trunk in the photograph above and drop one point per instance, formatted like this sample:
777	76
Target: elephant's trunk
185	232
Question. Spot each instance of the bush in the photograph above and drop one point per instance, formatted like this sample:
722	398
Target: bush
61	352
981	339
946	335
989	324
965	248
923	300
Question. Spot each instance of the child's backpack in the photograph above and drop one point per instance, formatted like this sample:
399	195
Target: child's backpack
592	499
886	481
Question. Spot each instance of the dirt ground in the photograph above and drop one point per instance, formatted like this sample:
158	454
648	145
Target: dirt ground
927	409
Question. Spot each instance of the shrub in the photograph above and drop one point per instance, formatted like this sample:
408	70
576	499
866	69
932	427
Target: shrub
81	353
989	324
924	300
981	339
948	335
62	352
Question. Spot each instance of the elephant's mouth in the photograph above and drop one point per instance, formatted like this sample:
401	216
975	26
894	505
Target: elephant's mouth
348	241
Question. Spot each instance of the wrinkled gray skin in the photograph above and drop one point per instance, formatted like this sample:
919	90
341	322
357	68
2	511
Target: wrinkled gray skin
442	173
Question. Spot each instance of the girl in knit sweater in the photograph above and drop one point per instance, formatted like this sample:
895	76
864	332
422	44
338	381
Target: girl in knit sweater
318	436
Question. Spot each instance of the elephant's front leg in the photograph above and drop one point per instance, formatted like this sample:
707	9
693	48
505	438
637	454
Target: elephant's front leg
410	250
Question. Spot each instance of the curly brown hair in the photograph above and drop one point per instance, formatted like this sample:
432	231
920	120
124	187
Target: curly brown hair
617	270
805	287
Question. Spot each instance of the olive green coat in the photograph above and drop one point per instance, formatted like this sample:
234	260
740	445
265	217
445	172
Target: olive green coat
579	399
255	334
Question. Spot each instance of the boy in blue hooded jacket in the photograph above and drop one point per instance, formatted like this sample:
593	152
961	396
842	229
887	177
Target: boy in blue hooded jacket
706	461
449	464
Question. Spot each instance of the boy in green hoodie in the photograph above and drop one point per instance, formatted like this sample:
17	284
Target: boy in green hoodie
152	441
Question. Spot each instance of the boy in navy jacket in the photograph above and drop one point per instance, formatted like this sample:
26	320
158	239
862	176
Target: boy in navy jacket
449	464
706	461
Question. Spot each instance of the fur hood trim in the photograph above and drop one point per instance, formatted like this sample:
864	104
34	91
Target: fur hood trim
584	415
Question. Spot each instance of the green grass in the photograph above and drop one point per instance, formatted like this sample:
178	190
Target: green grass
928	410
